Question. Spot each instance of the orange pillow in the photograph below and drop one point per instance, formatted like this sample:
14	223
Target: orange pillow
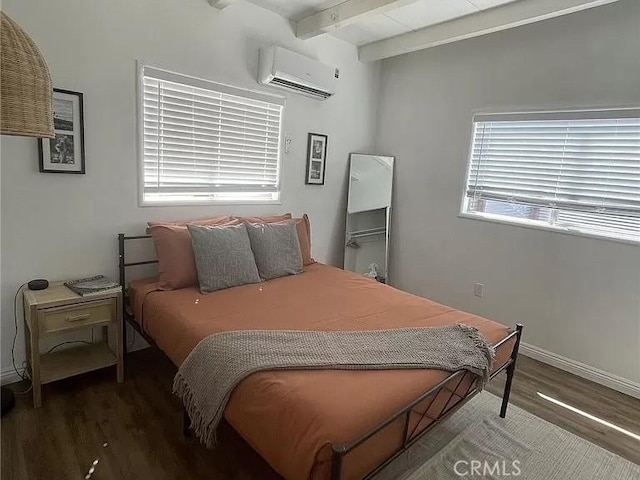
176	264
266	218
303	227
204	221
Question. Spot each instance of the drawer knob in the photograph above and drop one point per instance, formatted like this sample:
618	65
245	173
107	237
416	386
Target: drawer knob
77	318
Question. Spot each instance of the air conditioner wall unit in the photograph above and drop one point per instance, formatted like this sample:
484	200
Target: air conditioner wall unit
283	68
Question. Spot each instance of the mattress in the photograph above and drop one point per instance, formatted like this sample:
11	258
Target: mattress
291	418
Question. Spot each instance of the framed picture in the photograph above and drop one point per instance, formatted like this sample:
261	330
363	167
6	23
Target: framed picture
316	159
65	153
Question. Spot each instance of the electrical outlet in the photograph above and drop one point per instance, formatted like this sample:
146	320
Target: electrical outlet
287	145
478	289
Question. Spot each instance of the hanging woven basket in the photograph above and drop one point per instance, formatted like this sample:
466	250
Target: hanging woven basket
26	90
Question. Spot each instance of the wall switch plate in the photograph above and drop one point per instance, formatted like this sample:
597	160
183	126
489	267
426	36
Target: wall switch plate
478	289
287	145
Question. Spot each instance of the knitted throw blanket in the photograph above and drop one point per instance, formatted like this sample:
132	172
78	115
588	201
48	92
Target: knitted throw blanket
219	362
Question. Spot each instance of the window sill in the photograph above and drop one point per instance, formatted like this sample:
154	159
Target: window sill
548	228
204	203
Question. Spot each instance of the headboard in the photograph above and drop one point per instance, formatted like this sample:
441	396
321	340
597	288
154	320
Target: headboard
122	262
122	269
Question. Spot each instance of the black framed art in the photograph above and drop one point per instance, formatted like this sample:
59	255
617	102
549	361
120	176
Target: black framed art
316	159
65	152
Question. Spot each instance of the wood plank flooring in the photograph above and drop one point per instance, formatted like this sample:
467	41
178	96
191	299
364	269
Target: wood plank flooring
134	429
602	402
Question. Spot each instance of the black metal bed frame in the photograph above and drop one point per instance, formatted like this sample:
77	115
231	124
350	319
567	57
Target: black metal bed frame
417	407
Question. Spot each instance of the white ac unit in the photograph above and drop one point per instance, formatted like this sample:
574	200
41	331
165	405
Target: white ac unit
286	69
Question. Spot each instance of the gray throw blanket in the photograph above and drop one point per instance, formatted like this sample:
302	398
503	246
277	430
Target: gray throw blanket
219	362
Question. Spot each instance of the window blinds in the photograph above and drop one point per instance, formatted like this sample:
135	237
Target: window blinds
584	165
203	140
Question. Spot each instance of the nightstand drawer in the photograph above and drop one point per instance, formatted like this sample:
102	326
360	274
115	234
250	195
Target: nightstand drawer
69	318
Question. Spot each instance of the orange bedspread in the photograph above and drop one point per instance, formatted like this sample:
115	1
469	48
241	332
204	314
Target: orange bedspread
291	417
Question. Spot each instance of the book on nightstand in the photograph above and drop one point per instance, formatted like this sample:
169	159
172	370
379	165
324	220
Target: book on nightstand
92	285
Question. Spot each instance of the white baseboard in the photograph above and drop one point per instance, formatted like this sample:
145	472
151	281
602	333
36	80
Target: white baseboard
9	375
582	370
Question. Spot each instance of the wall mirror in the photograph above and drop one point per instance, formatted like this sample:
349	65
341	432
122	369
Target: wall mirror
369	215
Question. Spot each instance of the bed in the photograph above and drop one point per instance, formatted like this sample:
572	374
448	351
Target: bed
325	423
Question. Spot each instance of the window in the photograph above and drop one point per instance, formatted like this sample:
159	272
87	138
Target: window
569	171
203	142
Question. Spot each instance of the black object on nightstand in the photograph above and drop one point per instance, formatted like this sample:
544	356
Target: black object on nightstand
38	284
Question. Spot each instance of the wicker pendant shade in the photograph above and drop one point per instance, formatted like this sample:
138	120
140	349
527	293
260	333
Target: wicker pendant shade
25	91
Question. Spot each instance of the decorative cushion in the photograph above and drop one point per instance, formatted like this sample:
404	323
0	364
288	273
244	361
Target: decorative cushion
176	265
276	249
223	257
303	227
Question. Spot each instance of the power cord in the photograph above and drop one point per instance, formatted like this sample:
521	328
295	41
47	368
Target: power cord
69	341
15	333
13	345
15	336
24	392
49	351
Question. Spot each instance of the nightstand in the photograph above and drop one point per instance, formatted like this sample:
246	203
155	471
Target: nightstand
58	310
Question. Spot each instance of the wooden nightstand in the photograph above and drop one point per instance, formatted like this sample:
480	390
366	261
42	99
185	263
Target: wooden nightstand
57	310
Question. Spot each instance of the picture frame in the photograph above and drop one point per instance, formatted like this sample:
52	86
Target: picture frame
316	159
64	153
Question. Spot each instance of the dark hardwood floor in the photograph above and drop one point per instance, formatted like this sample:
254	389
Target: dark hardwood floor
134	429
602	402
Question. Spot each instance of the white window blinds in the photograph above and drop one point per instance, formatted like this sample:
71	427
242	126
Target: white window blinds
572	170
205	141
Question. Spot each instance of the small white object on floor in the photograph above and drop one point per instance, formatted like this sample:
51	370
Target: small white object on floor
373	271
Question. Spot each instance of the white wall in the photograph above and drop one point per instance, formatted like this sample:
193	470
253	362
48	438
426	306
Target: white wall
61	226
578	297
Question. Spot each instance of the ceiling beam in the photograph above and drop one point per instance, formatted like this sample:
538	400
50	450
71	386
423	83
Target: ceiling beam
507	16
343	14
220	4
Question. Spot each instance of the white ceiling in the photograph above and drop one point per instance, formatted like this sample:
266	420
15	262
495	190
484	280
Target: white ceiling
296	9
386	28
414	16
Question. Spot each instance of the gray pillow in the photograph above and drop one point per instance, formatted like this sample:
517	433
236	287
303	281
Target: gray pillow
276	249
223	257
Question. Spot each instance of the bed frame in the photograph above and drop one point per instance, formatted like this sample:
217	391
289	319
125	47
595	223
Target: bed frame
445	391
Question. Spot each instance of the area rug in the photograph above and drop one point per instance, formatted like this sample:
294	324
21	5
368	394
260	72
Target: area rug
477	443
